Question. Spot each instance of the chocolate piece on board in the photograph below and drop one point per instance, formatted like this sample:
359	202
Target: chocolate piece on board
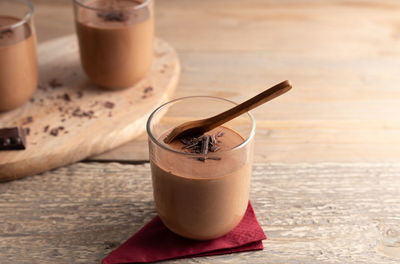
13	138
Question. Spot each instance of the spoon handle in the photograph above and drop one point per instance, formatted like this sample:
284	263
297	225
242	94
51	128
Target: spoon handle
246	106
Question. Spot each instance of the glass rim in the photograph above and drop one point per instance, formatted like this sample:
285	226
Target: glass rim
137	7
26	18
241	145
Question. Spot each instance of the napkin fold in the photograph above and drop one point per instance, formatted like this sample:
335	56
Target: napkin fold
155	242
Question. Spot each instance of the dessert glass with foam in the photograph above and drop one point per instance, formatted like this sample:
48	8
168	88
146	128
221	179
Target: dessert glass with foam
18	58
115	40
200	196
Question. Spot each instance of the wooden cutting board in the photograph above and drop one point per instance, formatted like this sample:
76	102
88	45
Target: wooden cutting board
70	119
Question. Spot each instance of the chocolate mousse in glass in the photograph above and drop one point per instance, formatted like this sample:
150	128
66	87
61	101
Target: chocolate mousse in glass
18	59
115	40
200	183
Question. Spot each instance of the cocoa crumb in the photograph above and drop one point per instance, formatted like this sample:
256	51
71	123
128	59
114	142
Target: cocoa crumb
27	131
32	100
54	83
54	132
45	129
79	113
66	97
109	105
79	94
27	120
147	91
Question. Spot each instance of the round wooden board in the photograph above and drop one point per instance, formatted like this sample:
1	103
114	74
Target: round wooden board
88	120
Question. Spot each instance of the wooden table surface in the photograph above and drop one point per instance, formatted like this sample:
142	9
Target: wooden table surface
327	171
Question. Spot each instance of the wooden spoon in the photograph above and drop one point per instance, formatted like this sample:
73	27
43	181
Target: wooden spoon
199	127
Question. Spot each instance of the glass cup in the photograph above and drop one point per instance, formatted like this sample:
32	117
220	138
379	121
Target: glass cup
200	196
18	58
115	40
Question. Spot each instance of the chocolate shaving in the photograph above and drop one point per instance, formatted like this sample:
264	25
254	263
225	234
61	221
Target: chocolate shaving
220	134
113	16
204	147
201	145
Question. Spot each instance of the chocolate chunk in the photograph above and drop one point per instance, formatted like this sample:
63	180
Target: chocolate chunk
113	16
12	138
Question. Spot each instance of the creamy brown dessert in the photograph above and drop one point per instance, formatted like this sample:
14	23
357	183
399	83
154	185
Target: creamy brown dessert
116	41
202	197
18	63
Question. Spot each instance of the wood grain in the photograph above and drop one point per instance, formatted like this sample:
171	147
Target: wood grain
70	119
324	213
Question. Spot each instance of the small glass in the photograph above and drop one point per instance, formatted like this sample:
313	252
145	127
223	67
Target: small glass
200	196
115	40
18	58
389	242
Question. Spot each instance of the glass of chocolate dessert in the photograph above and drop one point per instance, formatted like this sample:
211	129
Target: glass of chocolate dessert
200	182
115	40
18	58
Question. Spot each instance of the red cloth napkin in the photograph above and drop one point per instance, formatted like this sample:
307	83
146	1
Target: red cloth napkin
154	242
